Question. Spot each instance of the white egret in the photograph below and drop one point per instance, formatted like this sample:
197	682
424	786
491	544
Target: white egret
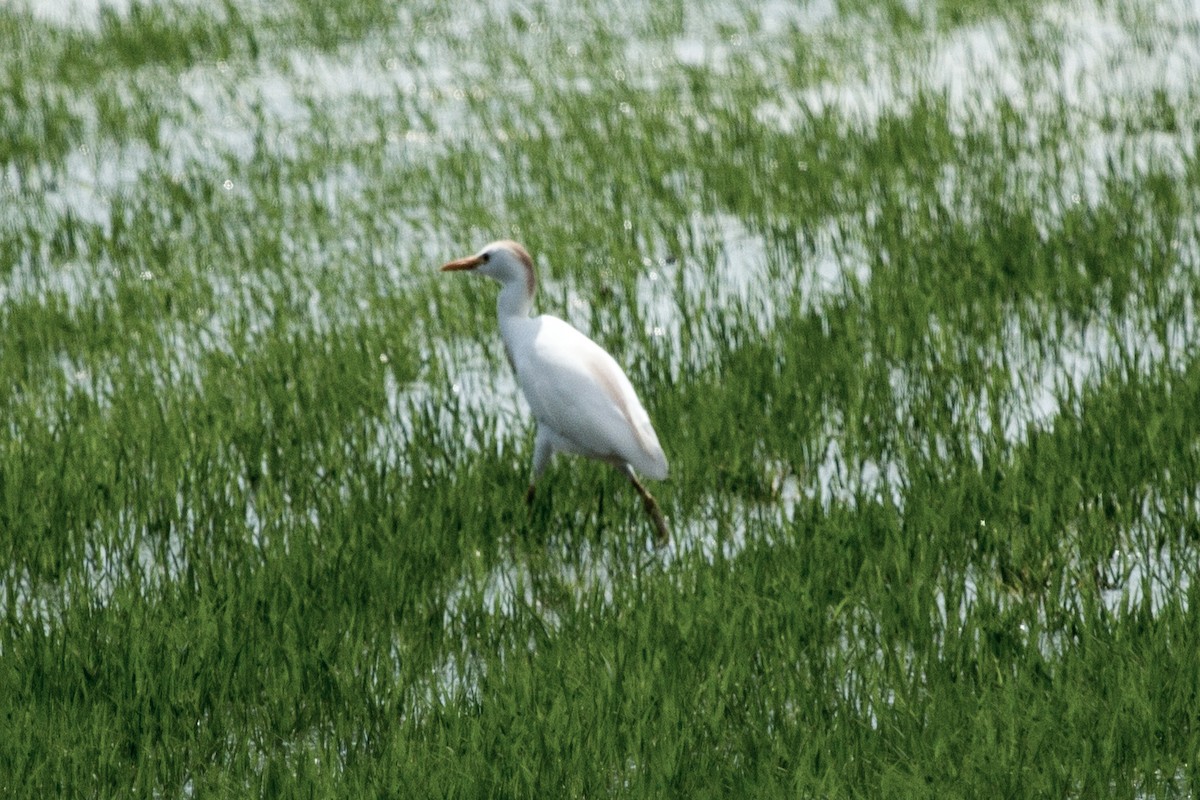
580	397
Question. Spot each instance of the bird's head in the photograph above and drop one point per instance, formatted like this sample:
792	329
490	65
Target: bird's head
504	261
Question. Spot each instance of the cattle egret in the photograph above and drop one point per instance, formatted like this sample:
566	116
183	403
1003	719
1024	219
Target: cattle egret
580	397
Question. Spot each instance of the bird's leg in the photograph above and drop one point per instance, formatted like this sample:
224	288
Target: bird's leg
663	534
543	451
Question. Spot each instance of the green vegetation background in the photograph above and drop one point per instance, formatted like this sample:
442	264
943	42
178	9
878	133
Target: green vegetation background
920	347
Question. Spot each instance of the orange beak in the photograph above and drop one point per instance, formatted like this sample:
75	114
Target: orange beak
470	262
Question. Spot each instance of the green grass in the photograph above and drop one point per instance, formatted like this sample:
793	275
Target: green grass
914	316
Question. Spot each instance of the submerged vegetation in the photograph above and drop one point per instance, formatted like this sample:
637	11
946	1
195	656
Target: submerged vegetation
909	292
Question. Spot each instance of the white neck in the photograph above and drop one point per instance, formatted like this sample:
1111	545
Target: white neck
514	300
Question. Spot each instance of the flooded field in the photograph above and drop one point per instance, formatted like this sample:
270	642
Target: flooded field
908	290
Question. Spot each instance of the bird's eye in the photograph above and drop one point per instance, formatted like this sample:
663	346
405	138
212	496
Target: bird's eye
485	256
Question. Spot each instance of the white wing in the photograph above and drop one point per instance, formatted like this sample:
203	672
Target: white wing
578	391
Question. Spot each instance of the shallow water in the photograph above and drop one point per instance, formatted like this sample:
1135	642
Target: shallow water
1090	61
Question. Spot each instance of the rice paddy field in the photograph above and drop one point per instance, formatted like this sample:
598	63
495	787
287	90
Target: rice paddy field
909	290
